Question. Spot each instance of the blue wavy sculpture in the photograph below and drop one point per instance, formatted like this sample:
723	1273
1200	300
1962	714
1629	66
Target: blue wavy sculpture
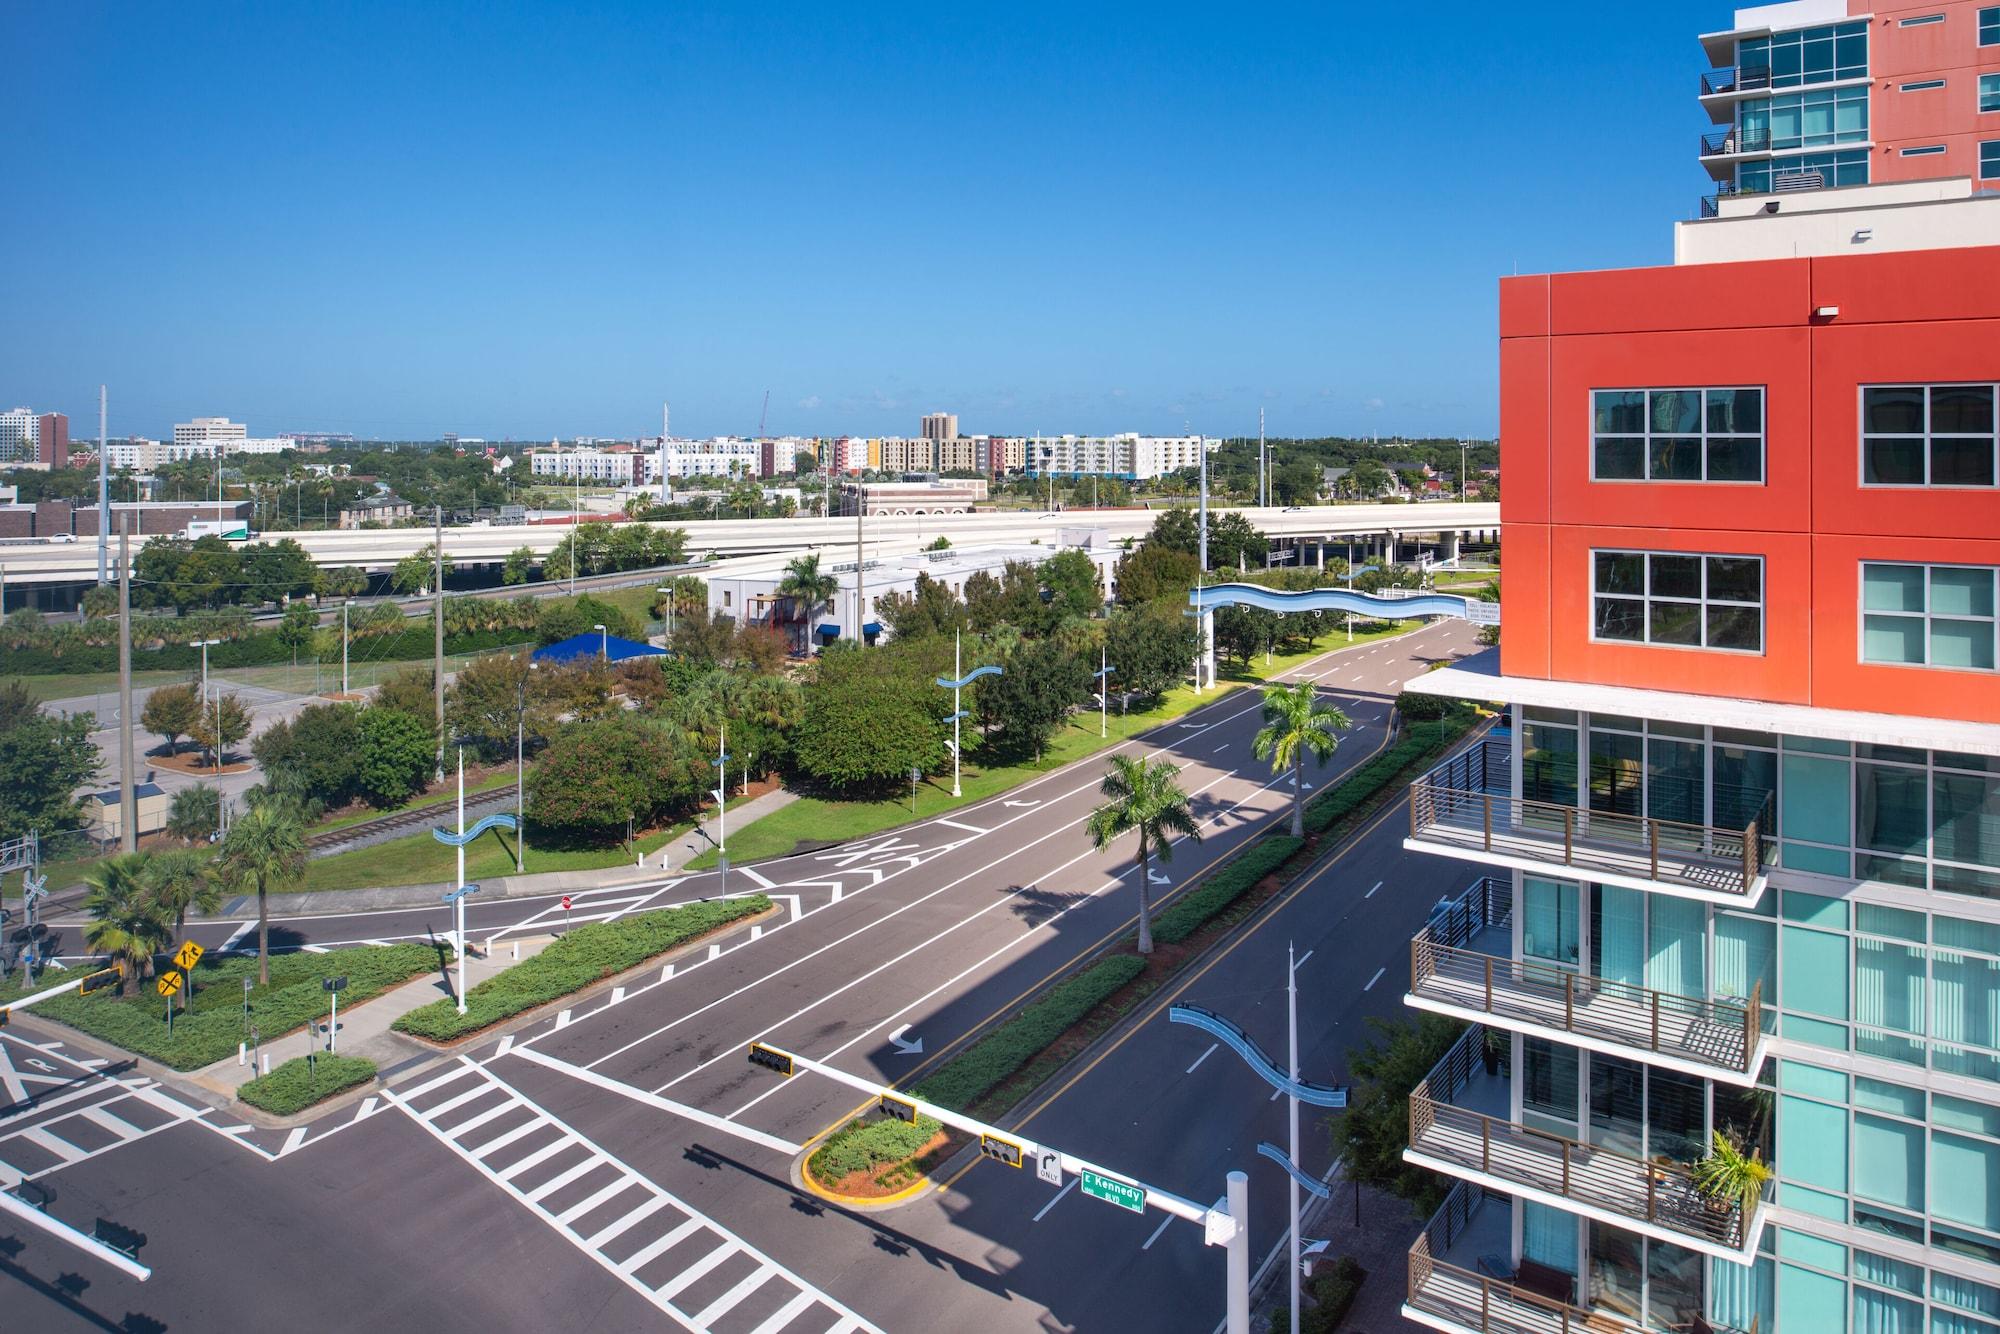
1277	1155
504	820
970	677
1208	1021
1329	599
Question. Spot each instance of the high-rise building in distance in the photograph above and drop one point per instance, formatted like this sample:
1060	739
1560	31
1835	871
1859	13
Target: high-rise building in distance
209	430
940	426
52	439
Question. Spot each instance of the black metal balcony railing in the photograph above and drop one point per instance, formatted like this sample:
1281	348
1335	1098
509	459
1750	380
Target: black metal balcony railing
1736	139
1736	79
1486	902
1717	1034
1659	1193
1670	853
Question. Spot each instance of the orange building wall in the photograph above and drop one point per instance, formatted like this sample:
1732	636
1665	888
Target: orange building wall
1949	115
1931	316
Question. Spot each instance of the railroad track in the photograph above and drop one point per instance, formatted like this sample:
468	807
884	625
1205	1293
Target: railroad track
429	815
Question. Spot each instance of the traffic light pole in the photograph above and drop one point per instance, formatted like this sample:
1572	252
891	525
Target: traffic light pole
1224	1223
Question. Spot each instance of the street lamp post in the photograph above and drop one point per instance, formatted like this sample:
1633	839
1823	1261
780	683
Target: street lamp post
520	769
343	644
603	643
203	645
668	590
956	683
1104	670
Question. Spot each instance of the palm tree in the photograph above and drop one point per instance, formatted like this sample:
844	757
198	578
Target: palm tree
266	844
195	814
1297	724
179	879
1144	795
808	587
125	922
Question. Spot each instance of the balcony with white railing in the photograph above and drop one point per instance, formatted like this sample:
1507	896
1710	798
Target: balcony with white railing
1459	1127
1464	809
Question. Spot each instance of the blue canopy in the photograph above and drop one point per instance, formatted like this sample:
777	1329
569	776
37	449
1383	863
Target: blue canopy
591	644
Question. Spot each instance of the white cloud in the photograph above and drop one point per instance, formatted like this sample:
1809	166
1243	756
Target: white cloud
809	402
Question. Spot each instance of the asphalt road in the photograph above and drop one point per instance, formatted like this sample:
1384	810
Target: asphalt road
648	1163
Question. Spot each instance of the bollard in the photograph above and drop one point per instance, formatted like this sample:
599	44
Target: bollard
241	1050
517	951
267	1063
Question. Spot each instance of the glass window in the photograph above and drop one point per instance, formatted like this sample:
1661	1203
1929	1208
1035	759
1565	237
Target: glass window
1928	435
1989	160
1928	615
1965	817
1806	55
1679	599
1812	1143
1549	920
1803	120
1965	1180
1815	970
1549	1073
1989	26
1989	92
1965	1294
1677	435
1889	1161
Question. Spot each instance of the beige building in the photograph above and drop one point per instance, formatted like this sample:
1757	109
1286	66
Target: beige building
941	426
107	815
951	496
207	430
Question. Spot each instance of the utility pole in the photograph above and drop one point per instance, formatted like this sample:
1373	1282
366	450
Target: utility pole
1205	652
343	643
103	494
437	660
1263	465
860	568
666	416
128	792
1292	1068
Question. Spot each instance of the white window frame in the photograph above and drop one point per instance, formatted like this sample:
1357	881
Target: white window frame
1862	436
1862	613
1701	433
1921	86
1989	87
1989	26
1928	150
1702	603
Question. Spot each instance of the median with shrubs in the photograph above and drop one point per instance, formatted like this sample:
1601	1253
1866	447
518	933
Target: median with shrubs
299	1083
578	959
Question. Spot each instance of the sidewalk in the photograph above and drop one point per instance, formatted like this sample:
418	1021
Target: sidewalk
741	817
364	1030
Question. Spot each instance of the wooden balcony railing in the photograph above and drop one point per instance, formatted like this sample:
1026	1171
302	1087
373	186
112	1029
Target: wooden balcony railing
1721	1034
1671	853
1489	1305
1660	1193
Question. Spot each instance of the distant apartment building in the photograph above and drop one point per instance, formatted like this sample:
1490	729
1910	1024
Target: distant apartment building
724	456
1131	456
615	467
52	439
209	430
929	496
1819	93
940	426
383	509
17	436
899	454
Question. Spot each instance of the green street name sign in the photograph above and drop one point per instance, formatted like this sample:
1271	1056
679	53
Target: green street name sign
1113	1191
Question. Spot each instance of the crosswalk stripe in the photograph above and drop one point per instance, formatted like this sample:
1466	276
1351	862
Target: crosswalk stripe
729	1300
455	1072
491	1146
659	1246
785	1314
612	1231
693	1274
539	1155
117	1125
489	1114
433	1113
582	1207
563	1178
61	1148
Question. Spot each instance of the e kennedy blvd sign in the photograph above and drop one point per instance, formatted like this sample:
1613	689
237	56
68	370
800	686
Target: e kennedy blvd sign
1113	1191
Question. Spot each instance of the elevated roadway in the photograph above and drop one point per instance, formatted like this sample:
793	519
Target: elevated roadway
378	549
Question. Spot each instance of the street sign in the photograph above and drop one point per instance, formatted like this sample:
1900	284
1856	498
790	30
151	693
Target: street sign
565	903
1049	1168
333	984
169	983
1481	613
1113	1191
188	955
99	980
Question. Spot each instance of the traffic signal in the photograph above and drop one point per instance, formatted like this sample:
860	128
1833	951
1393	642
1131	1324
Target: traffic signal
770	1059
99	980
1000	1150
6	1016
896	1107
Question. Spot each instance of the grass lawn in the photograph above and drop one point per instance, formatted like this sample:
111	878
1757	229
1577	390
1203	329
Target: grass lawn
820	820
69	685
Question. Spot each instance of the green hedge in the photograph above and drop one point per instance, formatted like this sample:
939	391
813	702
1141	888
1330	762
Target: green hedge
1419	740
292	1087
1019	1040
1332	1296
583	956
1196	908
254	650
212	1028
865	1145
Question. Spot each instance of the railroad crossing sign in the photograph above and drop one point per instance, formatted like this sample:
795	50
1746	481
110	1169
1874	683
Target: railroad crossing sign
188	955
1113	1191
169	983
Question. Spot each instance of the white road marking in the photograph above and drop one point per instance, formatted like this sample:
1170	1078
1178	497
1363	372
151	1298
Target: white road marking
112	1122
1373	980
694	1114
1204	1056
293	1140
56	1145
237	935
1068	1186
1371	893
968	828
754	874
314	949
733	1298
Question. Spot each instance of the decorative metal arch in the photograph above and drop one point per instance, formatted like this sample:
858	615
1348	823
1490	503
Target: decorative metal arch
503	820
1341	599
1234	1038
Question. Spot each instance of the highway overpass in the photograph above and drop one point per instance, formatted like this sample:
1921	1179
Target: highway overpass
378	549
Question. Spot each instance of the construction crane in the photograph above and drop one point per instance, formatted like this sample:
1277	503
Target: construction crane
765	415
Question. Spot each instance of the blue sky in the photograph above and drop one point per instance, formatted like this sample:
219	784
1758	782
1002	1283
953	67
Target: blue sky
400	220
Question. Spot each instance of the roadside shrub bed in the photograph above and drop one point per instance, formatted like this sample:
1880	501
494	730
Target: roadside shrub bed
1020	1039
212	1028
586	955
1332	1295
1357	788
867	1145
1196	908
293	1087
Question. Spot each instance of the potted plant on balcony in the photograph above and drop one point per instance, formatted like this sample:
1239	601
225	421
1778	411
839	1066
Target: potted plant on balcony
1728	1175
1493	1050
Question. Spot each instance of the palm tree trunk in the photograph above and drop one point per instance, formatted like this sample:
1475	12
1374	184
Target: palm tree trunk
1145	900
263	938
1299	795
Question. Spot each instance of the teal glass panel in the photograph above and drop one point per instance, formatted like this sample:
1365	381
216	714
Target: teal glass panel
1675	942
1952	1322
1892	588
1810	1250
1744	950
1815	969
1965	1180
1965	998
1965	1294
1959	591
1949	1113
1676	780
1812	1081
1891	1047
1965	818
1812	1143
1891	809
1548	1236
1618	934
1821	861
1815	804
1549	920
1548	763
1889	984
1900	923
1889	1272
1740	1296
1808	1201
1818	1032
1815	910
1879	1095
1810	1301
1817	745
1962	933
1743	778
1880	1313
1889	1161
